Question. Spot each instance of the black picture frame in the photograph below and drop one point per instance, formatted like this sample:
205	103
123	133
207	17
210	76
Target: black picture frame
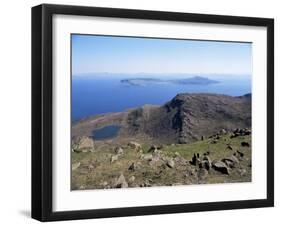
42	107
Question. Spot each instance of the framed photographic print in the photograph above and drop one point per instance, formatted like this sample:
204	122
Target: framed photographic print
145	112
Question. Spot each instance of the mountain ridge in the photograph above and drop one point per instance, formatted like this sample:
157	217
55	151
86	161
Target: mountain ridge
185	118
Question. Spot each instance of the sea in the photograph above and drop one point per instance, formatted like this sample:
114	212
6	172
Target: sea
97	94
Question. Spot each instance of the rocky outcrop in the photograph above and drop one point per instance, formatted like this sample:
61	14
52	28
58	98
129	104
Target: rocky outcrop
136	146
167	165
83	144
121	182
119	150
184	119
220	167
114	158
170	163
231	161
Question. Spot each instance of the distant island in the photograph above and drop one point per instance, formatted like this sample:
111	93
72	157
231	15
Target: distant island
196	80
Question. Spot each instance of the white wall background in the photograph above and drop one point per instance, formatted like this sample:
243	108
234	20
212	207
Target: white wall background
15	113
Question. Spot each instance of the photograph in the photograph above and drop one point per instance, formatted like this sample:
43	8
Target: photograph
149	111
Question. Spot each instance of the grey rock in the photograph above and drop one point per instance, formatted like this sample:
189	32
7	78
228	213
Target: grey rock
170	163
75	165
153	148
240	154
136	146
207	163
134	166
229	147
121	182
119	151
147	157
231	161
132	179
83	144
114	158
220	167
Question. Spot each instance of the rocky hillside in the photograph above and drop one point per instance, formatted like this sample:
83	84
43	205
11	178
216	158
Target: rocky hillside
225	157
184	119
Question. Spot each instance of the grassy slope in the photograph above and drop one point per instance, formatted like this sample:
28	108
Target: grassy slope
96	170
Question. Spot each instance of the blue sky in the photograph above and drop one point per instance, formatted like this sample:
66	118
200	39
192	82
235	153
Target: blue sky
98	54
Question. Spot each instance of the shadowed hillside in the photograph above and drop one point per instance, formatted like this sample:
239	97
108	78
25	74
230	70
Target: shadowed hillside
186	118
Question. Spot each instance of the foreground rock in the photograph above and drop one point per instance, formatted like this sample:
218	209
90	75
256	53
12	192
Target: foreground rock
75	165
206	163
231	161
114	158
119	151
121	182
245	144
134	166
83	144
170	163
136	146
220	167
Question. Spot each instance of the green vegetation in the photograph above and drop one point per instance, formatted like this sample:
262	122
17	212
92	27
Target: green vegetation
151	168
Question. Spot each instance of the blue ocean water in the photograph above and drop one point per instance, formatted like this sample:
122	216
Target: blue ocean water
92	95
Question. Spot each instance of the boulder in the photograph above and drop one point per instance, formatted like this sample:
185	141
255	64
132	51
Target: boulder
132	179
229	147
134	166
104	184
220	167
193	160
233	135
170	163
119	151
234	159
180	160
245	144
145	184
147	157
121	182
75	165
231	161
241	154
206	163
136	146
83	144
153	148
247	132
214	142
114	158
156	161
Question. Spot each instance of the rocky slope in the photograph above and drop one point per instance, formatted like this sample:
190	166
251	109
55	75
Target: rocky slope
184	119
225	157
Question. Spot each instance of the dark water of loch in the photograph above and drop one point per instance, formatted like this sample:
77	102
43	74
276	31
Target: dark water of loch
106	132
